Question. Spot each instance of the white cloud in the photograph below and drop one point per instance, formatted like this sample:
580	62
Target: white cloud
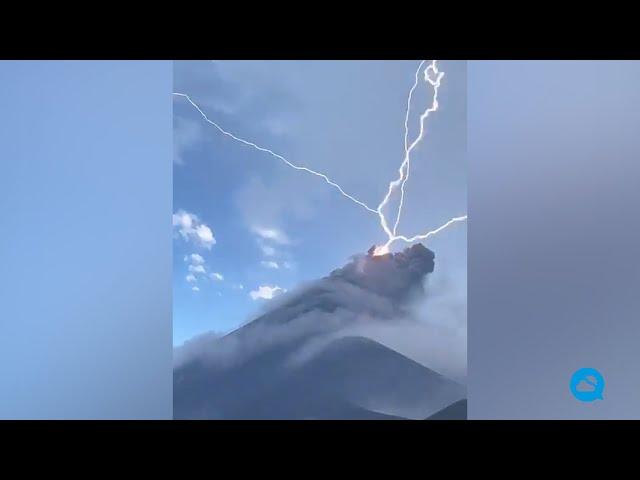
279	125
273	234
191	228
195	259
270	264
197	266
266	292
238	286
205	235
195	289
197	269
267	250
184	221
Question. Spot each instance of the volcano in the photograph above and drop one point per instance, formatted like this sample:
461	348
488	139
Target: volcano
293	362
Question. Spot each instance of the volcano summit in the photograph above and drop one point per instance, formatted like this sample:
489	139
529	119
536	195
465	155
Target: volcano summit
299	361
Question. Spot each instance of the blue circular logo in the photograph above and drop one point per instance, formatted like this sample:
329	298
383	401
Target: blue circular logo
587	385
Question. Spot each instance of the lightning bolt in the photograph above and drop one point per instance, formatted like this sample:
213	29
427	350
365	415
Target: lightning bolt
403	171
431	233
407	149
274	154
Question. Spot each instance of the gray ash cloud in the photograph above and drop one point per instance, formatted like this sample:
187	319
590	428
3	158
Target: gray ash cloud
330	349
366	290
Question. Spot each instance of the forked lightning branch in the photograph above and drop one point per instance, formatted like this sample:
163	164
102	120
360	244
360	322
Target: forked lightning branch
431	76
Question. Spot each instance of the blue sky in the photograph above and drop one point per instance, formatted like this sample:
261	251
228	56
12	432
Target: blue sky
85	178
245	222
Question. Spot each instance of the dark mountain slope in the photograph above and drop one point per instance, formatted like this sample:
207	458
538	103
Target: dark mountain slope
352	378
292	362
455	411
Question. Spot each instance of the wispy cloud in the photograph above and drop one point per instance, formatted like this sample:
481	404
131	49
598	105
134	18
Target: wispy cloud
273	234
217	276
186	134
267	250
270	264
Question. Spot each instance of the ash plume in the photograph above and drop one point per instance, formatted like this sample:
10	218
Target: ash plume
320	352
366	290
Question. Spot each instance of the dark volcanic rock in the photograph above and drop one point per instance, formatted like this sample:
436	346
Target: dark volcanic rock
455	411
